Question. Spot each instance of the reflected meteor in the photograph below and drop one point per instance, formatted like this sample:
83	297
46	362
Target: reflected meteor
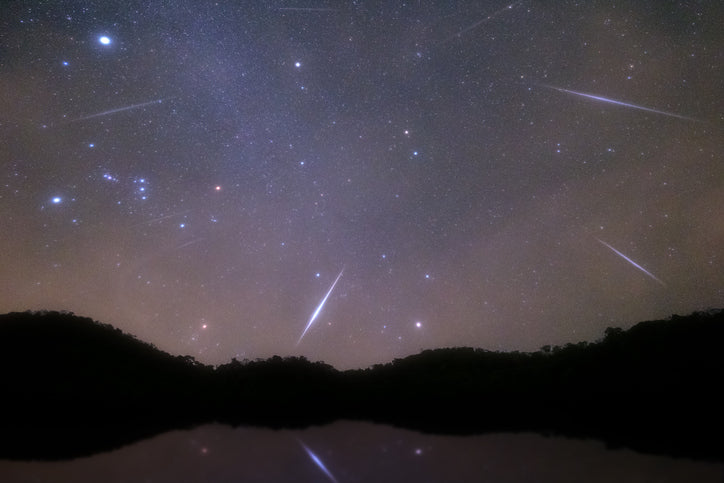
318	462
631	262
319	307
619	103
119	109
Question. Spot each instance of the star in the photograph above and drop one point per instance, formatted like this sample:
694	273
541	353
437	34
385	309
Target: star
197	152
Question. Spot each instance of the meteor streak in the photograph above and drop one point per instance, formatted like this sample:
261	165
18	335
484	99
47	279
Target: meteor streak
113	111
188	243
305	9
631	262
481	22
319	307
318	462
160	218
620	103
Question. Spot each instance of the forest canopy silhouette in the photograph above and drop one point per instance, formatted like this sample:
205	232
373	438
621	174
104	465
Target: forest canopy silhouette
74	386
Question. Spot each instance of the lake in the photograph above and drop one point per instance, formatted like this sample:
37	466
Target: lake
349	451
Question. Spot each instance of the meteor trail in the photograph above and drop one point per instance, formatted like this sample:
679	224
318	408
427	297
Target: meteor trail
481	22
319	307
303	9
318	462
184	245
160	218
119	109
620	103
631	262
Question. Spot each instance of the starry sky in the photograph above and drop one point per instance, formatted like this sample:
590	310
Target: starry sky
356	181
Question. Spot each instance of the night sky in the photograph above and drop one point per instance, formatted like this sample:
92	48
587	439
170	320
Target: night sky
217	177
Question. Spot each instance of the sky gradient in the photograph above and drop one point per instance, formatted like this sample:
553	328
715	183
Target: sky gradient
487	174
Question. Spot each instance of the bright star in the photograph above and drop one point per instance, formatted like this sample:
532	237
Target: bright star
104	40
297	64
57	200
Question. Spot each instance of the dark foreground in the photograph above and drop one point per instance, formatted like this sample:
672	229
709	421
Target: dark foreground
74	387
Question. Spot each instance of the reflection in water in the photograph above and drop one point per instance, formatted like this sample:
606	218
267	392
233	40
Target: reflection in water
359	452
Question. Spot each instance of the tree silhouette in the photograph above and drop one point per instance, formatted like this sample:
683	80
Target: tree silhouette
653	387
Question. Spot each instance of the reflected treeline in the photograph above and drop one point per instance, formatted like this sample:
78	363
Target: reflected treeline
72	386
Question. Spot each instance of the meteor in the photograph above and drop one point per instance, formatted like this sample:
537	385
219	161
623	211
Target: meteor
119	109
306	9
188	243
481	22
160	218
631	262
319	307
318	462
620	103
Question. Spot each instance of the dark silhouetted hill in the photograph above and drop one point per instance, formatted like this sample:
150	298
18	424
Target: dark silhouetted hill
72	386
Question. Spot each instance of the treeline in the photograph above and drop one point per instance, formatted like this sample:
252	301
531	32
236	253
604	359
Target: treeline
74	386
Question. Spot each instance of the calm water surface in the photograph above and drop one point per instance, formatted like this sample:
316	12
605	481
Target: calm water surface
359	452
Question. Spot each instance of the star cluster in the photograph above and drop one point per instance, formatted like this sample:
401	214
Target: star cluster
484	174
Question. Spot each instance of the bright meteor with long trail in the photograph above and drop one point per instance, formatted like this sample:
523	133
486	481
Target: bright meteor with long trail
619	103
631	262
319	307
119	109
